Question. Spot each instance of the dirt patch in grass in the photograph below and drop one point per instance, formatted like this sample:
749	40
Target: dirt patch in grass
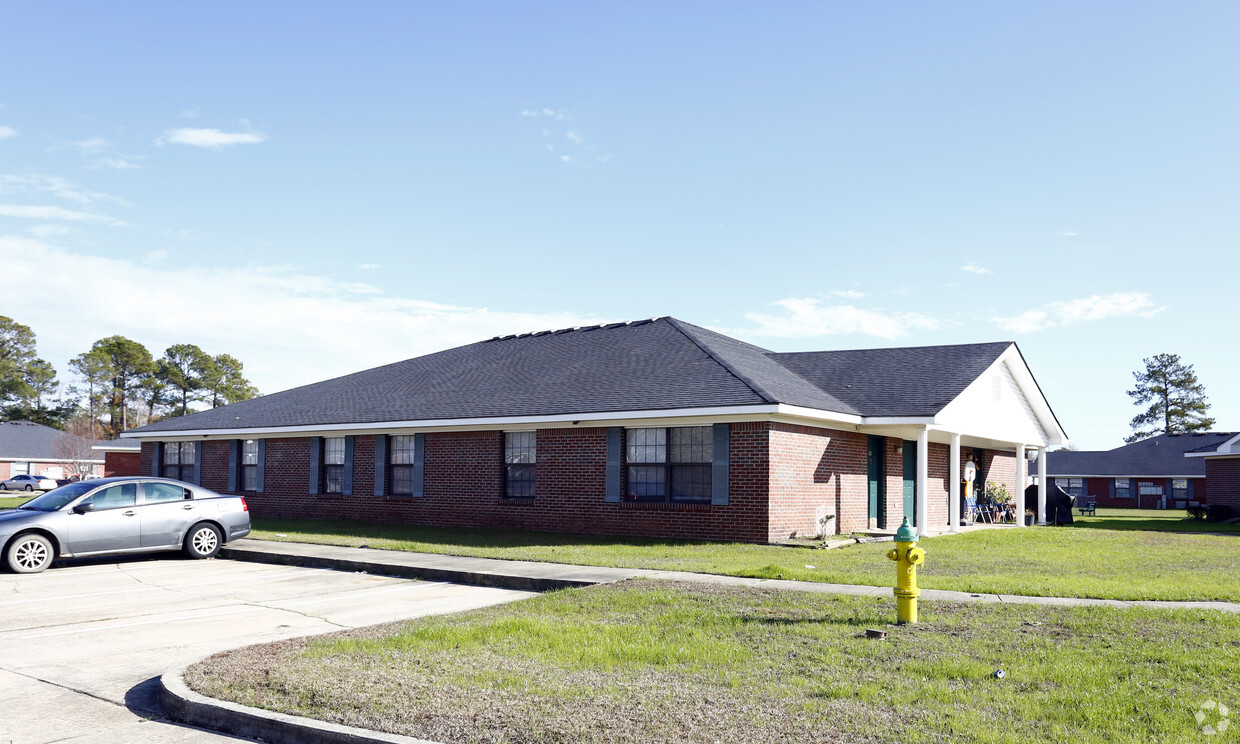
660	661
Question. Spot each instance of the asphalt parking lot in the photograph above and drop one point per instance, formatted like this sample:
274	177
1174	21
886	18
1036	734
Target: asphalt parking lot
82	645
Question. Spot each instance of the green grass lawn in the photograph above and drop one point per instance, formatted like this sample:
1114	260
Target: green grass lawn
1082	561
647	661
1160	520
12	502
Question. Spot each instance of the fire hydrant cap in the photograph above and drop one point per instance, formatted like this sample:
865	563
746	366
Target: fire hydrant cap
906	533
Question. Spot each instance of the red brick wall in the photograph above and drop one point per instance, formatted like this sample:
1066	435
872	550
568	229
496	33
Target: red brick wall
463	487
894	481
815	471
121	463
1223	475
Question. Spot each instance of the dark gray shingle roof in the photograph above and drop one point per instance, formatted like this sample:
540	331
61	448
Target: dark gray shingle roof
28	440
644	365
908	381
1160	456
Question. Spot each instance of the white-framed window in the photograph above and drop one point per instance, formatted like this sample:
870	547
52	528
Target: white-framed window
400	464
1123	488
1179	488
520	463
178	461
249	465
1073	486
669	464
333	465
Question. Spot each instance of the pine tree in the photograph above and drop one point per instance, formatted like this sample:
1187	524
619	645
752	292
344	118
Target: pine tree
1176	400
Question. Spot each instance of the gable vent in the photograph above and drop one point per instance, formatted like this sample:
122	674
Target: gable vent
996	388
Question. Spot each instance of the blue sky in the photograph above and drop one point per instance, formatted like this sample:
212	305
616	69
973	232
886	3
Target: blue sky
318	188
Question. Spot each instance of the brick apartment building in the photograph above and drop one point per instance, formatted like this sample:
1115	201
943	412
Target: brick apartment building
1169	471
655	427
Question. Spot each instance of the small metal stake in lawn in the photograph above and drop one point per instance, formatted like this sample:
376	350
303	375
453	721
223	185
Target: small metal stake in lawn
907	557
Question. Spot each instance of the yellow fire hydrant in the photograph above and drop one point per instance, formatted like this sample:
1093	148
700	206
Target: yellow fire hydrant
907	557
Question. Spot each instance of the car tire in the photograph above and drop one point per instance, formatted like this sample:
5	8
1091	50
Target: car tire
29	553
29	487
203	541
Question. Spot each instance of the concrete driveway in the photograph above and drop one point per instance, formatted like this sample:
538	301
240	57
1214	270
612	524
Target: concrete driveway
82	646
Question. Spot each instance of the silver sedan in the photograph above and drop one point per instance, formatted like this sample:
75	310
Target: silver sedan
120	515
28	483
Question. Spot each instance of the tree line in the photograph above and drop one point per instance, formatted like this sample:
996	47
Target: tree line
119	384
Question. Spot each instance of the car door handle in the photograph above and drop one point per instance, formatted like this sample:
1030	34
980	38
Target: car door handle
187	507
130	513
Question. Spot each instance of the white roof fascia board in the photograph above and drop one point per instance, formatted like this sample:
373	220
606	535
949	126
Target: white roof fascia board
1081	475
816	414
605	418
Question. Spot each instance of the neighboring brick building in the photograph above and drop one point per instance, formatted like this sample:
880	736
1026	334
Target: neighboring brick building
1153	473
656	428
120	457
30	448
1222	461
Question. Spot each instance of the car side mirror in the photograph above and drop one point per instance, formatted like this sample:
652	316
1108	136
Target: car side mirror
83	508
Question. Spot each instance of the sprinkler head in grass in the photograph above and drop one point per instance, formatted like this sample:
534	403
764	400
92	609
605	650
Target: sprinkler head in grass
1000	674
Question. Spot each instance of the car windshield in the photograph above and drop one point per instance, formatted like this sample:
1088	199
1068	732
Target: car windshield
56	499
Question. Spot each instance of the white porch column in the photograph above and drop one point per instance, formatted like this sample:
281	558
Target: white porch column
1042	486
923	481
1022	467
953	486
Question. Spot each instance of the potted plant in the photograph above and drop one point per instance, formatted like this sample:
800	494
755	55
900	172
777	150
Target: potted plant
997	494
1029	517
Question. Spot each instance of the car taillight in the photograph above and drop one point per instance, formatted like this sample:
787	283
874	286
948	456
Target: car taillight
244	506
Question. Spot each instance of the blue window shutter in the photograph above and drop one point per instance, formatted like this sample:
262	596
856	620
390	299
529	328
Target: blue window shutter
347	488
316	459
719	466
1112	489
419	469
234	464
262	465
158	459
197	463
381	458
611	487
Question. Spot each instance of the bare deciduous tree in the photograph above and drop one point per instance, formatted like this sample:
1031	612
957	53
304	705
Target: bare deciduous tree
73	447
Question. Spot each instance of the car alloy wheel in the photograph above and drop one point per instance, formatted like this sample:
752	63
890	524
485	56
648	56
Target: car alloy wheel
203	541
29	487
29	554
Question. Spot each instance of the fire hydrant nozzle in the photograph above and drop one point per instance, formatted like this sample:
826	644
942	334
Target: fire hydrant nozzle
907	557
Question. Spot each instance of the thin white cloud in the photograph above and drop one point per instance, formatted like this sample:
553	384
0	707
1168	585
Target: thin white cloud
44	212
368	266
550	148
557	114
575	138
49	231
93	144
6	132
113	164
189	113
289	316
157	256
1083	310
846	294
59	187
211	139
807	317
1068	233
605	158
975	269
566	158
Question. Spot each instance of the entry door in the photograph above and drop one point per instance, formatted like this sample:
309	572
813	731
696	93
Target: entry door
910	482
875	466
112	525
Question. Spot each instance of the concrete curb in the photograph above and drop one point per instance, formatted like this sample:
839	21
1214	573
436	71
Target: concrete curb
186	706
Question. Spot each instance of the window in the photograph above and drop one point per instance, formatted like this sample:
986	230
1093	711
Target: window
333	465
249	465
158	493
1179	488
114	497
1123	488
178	461
1149	488
1073	486
669	464
400	459
520	460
